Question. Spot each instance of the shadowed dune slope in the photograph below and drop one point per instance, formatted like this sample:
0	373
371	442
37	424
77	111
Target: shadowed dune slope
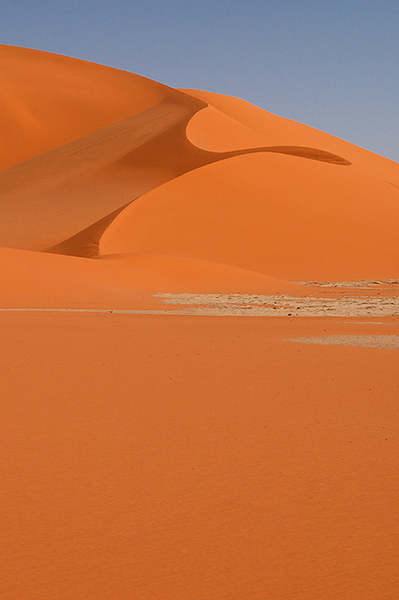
48	100
284	216
54	196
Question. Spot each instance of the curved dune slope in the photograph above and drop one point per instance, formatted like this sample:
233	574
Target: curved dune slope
63	200
279	215
54	196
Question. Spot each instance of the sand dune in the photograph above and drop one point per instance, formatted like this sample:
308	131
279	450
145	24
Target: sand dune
258	185
283	216
157	443
63	200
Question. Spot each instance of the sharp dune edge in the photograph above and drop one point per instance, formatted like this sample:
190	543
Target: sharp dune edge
156	442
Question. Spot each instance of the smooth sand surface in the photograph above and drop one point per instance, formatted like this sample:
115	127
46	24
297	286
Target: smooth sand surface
164	457
284	216
156	443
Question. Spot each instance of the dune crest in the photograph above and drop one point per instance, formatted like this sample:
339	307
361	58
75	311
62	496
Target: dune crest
277	131
212	130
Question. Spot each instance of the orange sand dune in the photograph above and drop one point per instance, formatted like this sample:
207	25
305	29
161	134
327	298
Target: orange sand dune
283	216
63	200
68	200
149	451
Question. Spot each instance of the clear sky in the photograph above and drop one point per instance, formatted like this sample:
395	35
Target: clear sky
330	64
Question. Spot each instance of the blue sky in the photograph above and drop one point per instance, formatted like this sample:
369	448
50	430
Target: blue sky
333	65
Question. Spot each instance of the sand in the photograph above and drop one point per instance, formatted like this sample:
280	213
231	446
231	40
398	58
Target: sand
156	441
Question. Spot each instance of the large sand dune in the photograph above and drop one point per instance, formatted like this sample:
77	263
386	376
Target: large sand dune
156	442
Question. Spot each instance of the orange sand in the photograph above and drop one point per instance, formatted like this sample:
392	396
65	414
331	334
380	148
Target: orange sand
155	455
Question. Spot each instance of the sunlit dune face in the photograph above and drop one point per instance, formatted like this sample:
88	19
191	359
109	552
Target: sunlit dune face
279	215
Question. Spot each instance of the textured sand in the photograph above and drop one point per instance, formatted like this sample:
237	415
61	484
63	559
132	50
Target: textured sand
164	457
365	341
156	443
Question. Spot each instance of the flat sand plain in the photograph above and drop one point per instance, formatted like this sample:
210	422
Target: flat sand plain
156	441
